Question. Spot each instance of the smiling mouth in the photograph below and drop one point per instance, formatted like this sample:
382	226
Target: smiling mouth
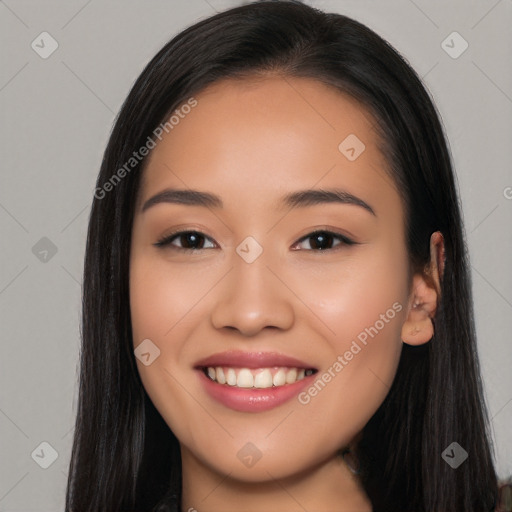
261	378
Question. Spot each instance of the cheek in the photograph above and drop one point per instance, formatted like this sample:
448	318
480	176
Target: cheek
162	311
166	306
362	307
161	299
352	296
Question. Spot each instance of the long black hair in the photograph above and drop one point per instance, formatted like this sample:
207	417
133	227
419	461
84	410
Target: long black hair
124	456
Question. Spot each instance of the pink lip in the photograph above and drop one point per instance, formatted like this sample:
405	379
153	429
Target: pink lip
252	400
251	360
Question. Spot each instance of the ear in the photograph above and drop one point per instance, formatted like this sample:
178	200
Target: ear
425	295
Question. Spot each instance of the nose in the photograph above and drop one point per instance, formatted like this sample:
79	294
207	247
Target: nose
251	298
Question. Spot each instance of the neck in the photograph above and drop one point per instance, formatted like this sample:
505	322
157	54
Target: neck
328	487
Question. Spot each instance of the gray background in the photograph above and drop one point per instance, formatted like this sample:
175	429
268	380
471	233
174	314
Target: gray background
56	116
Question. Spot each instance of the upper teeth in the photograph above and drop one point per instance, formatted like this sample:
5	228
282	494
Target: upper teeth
260	378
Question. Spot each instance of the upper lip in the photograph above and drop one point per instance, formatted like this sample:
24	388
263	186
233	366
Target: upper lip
237	358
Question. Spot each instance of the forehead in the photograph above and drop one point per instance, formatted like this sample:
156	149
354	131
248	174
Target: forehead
268	135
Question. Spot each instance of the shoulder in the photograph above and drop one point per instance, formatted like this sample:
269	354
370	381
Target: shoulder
504	501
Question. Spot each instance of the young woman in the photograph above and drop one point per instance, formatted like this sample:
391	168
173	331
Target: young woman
277	310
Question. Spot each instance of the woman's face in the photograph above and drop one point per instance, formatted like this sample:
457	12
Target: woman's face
254	291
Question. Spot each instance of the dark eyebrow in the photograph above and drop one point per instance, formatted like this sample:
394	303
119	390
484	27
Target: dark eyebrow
301	198
190	197
312	197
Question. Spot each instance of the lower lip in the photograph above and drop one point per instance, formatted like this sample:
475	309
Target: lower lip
252	399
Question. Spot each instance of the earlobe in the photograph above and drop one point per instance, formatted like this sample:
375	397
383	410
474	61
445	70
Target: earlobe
419	333
418	327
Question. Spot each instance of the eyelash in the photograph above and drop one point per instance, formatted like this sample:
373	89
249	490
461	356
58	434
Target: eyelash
166	240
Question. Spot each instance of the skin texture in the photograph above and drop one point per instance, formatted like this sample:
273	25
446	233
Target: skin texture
250	142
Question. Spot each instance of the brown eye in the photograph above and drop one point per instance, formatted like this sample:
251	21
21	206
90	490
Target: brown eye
187	240
325	240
